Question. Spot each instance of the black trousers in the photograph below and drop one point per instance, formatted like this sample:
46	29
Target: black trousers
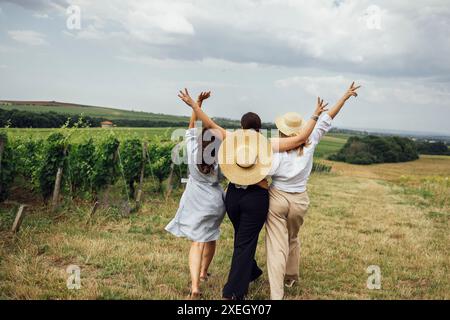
247	210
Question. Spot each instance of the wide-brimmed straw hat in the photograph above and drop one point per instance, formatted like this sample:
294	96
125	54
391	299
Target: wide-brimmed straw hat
245	157
290	123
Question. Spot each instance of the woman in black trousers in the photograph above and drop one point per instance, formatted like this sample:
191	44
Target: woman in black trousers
247	210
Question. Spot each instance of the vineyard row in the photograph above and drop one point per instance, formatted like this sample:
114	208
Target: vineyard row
52	166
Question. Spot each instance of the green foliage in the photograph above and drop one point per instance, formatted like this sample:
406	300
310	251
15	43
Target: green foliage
106	165
82	160
29	153
132	161
159	160
7	170
53	158
374	149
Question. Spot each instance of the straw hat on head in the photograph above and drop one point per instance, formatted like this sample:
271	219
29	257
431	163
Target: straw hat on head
245	157
290	123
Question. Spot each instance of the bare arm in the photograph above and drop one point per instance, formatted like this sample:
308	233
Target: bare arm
207	121
192	120
285	144
201	97
351	92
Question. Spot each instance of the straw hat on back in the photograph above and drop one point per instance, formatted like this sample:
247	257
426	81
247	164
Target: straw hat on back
245	157
290	123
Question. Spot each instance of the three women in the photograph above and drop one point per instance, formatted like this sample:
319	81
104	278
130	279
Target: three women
247	158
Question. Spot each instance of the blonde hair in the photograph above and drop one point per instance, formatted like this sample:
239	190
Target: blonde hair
300	147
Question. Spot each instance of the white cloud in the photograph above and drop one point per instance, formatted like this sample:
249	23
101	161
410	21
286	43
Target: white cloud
315	86
398	91
28	37
324	34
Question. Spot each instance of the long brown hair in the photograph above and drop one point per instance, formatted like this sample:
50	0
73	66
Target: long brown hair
300	147
203	167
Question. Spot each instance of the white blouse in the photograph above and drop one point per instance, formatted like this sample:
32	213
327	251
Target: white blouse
290	172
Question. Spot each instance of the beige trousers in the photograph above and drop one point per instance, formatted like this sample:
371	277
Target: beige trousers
286	213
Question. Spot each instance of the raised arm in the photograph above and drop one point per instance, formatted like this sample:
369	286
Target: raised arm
285	144
192	120
201	97
351	92
207	121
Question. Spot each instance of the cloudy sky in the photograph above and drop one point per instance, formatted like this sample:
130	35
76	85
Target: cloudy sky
266	56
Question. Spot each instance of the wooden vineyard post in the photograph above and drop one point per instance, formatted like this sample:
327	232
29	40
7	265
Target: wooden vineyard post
57	187
169	181
141	178
19	218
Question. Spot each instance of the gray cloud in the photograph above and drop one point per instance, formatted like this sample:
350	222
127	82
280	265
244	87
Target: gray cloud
413	39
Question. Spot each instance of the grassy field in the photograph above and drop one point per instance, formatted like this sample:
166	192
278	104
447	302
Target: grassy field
395	216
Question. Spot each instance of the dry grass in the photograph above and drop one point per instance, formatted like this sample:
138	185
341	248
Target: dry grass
359	216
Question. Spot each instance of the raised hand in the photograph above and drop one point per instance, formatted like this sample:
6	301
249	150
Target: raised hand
351	92
320	107
203	96
187	98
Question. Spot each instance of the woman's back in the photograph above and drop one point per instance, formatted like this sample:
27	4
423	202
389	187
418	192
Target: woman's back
290	171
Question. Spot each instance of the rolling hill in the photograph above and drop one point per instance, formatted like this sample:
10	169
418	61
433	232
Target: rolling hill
92	111
120	116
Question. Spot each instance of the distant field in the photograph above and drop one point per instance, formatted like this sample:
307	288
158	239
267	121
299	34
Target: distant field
330	144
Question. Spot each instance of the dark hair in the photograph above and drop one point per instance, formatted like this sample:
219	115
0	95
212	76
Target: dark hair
203	167
251	120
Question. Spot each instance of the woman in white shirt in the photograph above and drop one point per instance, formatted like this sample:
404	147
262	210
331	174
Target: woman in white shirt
289	200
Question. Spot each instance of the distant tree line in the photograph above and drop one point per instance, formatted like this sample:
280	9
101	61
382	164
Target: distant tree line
432	148
375	149
26	119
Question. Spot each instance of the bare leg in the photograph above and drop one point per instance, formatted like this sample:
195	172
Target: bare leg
208	255
195	262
